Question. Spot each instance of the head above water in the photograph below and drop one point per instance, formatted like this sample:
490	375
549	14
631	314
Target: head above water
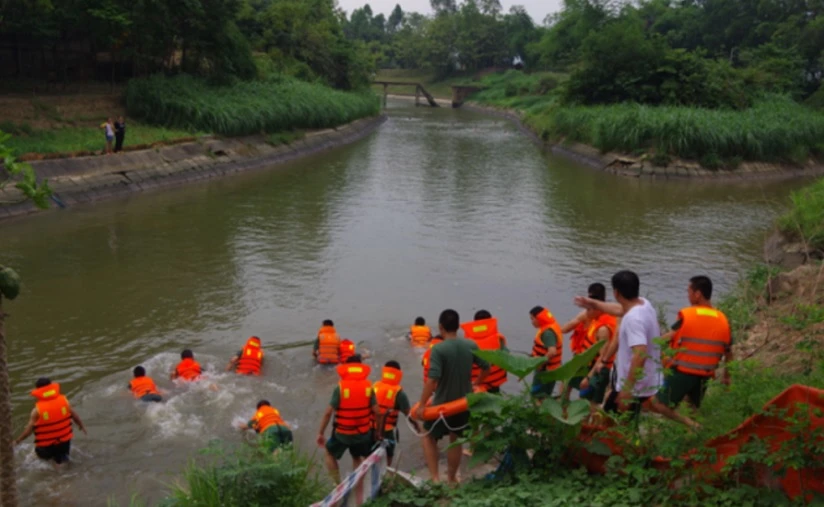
699	291
139	371
449	321
393	364
42	382
328	323
355	358
626	285
420	321
187	354
482	315
263	403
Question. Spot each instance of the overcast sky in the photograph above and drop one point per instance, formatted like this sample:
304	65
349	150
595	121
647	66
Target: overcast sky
538	9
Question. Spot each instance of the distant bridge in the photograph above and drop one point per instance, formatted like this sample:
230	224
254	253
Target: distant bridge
419	90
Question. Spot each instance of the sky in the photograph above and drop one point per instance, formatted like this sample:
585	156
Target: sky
538	9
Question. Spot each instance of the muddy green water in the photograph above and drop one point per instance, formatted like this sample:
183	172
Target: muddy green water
436	209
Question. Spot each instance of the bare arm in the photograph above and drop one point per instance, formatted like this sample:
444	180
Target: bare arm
29	427
572	324
76	419
639	357
232	364
327	416
606	350
379	419
608	308
428	390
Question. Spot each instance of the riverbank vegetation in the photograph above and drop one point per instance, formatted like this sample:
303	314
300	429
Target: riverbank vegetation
805	219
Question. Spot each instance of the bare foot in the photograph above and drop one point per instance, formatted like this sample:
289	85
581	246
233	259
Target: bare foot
467	452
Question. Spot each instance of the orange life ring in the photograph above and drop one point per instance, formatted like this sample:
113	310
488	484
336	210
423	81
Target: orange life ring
432	412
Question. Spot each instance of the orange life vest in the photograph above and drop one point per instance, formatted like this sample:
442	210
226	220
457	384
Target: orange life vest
267	416
426	355
54	416
328	345
607	321
141	386
577	342
705	336
188	369
547	321
420	335
386	392
251	358
485	334
347	350
354	413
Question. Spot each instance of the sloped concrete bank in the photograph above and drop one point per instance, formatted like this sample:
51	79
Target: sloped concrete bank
627	165
90	179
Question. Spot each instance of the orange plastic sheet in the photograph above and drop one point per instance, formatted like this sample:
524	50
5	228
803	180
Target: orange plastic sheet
771	426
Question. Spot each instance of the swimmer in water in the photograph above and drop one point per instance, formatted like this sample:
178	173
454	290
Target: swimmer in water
248	360
143	387
273	430
187	369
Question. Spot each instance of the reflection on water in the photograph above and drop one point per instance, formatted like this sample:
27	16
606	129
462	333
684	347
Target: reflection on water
438	208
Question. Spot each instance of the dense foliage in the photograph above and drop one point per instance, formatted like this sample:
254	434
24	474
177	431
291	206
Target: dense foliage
805	220
271	105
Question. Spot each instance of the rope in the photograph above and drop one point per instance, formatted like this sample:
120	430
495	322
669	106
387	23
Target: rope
440	418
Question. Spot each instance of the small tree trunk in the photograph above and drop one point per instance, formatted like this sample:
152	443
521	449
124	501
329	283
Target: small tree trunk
8	481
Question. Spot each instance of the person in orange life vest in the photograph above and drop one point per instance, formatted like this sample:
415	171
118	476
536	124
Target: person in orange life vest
578	326
392	401
327	344
701	338
248	360
484	332
356	409
450	379
143	387
273	430
51	422
419	334
601	327
547	343
428	354
187	369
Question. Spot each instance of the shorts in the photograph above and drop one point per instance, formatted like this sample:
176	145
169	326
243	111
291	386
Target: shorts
359	446
109	138
458	423
390	438
156	398
494	390
276	436
678	385
59	453
611	405
539	389
598	384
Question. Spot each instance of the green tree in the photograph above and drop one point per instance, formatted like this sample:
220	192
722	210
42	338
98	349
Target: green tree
395	19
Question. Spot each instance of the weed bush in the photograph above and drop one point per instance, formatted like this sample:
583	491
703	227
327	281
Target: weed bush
775	129
805	220
271	105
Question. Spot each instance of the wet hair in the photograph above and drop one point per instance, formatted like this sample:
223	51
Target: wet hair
482	314
597	291
139	371
354	358
627	284
393	364
264	403
328	322
420	321
702	284
450	320
535	311
187	354
42	382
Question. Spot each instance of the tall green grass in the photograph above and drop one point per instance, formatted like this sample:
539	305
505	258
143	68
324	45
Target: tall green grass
805	219
775	129
249	107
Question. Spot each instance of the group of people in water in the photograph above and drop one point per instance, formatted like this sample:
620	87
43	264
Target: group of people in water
627	375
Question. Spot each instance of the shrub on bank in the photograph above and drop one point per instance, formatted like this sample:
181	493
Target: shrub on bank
271	105
776	129
805	219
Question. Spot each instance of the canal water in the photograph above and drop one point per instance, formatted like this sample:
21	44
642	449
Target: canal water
436	209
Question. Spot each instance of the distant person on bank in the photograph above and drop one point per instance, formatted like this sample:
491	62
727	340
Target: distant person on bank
119	133
108	130
51	421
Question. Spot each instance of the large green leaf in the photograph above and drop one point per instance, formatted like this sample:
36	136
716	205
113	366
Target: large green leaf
485	403
575	367
576	411
520	366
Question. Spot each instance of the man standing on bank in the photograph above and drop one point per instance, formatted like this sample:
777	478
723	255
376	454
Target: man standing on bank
450	379
638	373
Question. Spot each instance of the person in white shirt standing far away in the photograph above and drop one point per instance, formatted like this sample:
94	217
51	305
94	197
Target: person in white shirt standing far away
638	371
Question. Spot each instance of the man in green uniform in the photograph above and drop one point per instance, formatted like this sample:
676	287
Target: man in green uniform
549	339
359	444
450	379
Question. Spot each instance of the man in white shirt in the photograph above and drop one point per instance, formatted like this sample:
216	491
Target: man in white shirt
638	372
